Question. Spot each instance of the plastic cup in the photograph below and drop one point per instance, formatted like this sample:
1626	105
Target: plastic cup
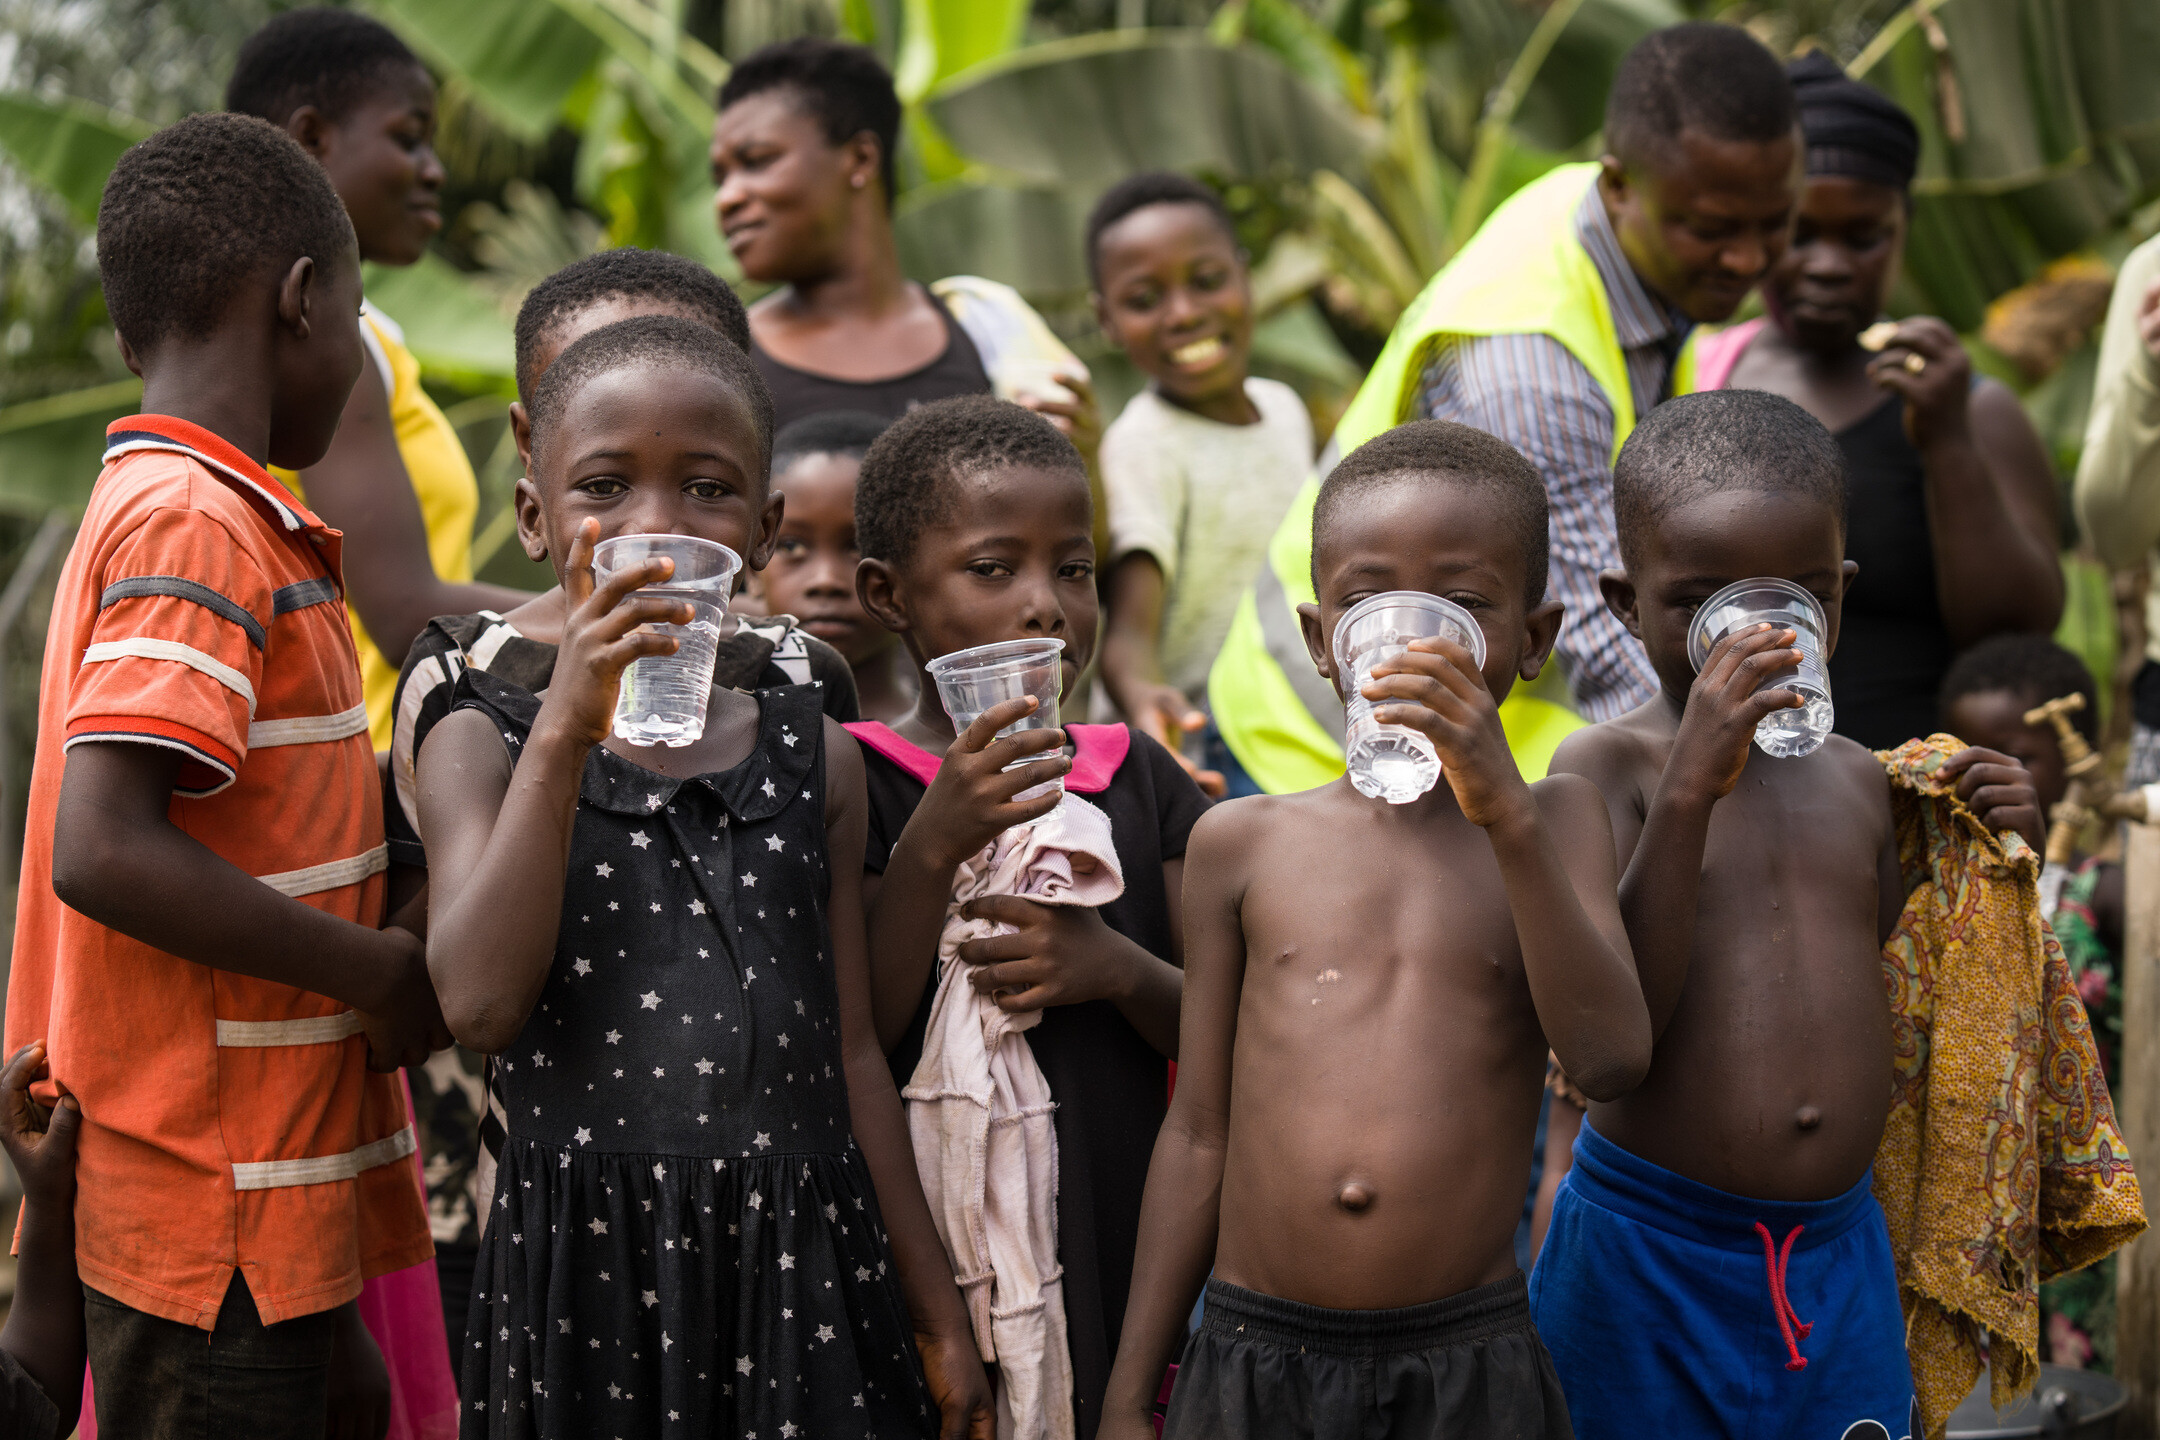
1744	603
662	699
1392	762
970	681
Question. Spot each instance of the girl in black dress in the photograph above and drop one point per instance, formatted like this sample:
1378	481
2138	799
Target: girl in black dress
664	948
973	517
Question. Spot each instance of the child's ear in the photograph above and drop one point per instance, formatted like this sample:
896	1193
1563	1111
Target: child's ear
311	128
1316	641
127	353
768	535
1101	308
1620	598
293	296
1543	625
531	534
874	587
521	431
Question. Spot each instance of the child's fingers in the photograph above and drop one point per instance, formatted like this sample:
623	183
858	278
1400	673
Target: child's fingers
1008	749
1729	655
1003	785
578	566
1768	702
65	1122
638	611
1973	755
1441	659
984	728
608	595
1019	1002
1003	910
23	1067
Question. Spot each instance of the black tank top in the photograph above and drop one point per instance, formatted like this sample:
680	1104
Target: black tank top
796	393
1893	648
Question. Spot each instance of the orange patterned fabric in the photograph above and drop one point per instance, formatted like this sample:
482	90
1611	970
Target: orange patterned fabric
2001	1164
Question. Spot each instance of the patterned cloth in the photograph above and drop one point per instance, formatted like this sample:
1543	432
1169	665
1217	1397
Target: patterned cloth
1533	393
1994	1176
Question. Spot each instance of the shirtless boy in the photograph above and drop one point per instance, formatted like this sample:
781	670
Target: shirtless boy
1717	1264
1369	993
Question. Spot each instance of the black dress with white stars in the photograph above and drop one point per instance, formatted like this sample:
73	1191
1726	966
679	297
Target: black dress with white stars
685	1240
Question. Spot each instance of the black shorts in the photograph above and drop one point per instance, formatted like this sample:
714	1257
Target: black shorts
1470	1367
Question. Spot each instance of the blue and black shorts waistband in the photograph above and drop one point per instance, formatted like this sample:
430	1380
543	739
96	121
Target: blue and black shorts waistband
1618	1180
1500	1308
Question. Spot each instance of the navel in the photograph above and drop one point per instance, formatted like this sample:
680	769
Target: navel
1808	1117
1356	1197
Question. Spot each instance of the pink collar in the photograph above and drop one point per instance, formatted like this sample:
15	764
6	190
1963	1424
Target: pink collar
1098	750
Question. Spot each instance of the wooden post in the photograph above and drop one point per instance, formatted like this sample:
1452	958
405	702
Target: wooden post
2137	1105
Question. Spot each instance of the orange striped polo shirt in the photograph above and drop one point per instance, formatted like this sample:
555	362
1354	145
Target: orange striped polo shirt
227	1121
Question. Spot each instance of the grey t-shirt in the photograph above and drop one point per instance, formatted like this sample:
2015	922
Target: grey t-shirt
1203	498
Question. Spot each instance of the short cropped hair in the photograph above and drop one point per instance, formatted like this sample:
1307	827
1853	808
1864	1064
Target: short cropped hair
651	342
1722	440
828	432
625	272
200	210
2033	668
841	85
1716	80
1428	450
910	477
1137	192
320	57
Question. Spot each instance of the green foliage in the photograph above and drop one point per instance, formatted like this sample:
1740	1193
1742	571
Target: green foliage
68	146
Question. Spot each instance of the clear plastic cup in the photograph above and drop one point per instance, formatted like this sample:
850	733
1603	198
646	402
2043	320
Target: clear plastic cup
1392	762
970	681
1783	733
662	700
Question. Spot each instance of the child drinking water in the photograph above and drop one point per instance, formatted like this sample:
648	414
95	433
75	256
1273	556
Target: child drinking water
812	574
663	947
975	520
1201	464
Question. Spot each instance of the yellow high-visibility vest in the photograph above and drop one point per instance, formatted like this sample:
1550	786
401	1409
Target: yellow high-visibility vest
1523	273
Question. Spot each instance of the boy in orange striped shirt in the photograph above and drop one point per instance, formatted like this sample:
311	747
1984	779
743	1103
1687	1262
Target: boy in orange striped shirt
199	942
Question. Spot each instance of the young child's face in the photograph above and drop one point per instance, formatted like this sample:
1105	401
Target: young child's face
812	574
1995	720
1427	534
1014	560
381	157
1703	545
1176	298
650	451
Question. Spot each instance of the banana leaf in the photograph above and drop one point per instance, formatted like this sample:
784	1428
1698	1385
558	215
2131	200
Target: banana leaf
68	146
1028	237
1085	113
521	57
941	38
51	449
450	325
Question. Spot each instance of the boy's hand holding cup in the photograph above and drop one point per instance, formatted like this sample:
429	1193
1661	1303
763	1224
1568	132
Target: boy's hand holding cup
1434	686
1725	705
971	803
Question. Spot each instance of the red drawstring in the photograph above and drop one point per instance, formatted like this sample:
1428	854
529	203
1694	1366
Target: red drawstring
1775	1259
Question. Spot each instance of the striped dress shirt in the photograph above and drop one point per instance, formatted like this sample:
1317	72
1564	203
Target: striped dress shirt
1532	392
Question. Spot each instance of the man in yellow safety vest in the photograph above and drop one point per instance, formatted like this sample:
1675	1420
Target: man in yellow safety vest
1566	316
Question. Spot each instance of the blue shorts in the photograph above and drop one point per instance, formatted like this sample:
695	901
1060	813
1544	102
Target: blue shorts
1672	1309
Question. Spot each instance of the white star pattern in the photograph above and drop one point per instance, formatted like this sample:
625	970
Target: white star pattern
704	1067
787	1261
762	1140
767	787
749	880
648	1298
583	1136
603	870
825	1333
659	1172
583	966
650	1000
775	843
640	839
614	1037
697	907
743	1365
783	1042
599	1226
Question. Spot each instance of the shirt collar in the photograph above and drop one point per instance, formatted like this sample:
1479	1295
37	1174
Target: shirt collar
165	432
1639	317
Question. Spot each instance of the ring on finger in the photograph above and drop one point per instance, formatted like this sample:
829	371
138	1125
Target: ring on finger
1914	363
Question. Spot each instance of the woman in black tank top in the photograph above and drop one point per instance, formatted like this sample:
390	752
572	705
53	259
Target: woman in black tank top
802	157
1950	494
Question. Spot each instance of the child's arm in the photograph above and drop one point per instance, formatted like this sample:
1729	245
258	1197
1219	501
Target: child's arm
1554	846
1181	1212
1658	892
119	859
1132	663
498	835
45	1325
966	807
942	1331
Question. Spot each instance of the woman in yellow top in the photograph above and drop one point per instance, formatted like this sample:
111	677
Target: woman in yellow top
396	480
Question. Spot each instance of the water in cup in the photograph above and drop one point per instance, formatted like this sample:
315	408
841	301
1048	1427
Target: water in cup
1780	603
663	697
970	681
1392	762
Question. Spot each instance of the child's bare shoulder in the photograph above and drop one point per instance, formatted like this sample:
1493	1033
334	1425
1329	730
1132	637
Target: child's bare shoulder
1855	766
1242	832
1628	748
